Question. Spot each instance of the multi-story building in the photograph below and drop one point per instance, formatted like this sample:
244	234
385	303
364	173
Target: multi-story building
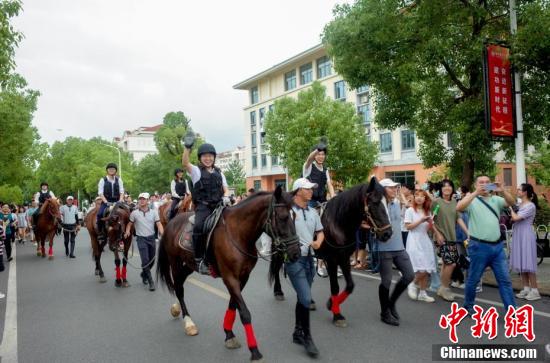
139	142
398	149
225	158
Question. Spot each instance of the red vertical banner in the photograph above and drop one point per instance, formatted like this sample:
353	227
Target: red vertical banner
499	96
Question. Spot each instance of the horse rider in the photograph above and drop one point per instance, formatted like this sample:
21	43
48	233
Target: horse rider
209	189
69	220
179	189
310	231
40	198
315	171
111	190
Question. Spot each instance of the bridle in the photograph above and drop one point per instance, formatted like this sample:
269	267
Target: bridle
371	221
279	244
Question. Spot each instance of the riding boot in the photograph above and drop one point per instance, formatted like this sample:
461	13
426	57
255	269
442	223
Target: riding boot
101	233
198	246
71	255
298	335
144	278
385	314
150	280
311	349
397	291
67	249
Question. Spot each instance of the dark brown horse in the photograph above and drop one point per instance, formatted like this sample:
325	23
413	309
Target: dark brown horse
46	226
164	210
115	234
233	254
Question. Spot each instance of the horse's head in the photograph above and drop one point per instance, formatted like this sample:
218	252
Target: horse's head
116	223
376	212
51	206
280	226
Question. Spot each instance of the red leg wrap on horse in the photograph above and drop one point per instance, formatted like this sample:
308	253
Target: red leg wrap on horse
342	296
250	338
335	304
117	269
124	272
229	319
50	251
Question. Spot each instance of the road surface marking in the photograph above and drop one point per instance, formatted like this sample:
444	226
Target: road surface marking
8	349
209	288
490	302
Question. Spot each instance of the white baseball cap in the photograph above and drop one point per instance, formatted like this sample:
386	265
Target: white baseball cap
303	183
143	195
388	183
70	197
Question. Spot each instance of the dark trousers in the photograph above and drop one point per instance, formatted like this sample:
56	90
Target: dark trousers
173	207
146	247
201	213
69	235
404	235
402	261
7	243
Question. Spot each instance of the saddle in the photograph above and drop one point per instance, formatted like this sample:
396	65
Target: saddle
186	235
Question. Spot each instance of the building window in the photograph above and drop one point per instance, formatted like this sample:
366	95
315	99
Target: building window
362	90
385	142
257	185
262	138
324	67
340	91
507	177
274	161
270	108
363	111
306	74
254	161
264	160
403	177
253	118
254	95
261	114
280	182
253	139
290	80
407	140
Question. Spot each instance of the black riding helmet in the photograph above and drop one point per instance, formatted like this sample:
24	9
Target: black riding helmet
206	149
111	165
178	170
43	183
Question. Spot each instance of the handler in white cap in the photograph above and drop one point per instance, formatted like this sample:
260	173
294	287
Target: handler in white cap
145	220
69	222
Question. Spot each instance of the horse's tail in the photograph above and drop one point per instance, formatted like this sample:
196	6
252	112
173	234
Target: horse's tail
163	265
274	267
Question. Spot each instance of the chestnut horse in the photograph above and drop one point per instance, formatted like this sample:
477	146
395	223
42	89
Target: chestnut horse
46	226
116	220
233	254
164	210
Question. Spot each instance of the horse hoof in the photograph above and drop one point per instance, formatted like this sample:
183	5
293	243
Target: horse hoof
175	310
118	283
259	360
43	255
191	330
102	279
340	323
232	343
125	283
38	253
97	272
50	257
279	297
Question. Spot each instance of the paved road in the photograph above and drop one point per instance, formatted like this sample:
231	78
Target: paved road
65	315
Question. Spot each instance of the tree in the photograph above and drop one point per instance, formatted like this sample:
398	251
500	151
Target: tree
10	38
155	173
424	61
540	165
11	194
168	138
294	126
235	176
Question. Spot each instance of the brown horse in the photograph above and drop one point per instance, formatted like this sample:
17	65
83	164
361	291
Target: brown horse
114	235
233	254
46	226
164	210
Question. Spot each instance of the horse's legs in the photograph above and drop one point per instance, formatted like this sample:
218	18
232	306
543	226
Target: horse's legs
235	287
50	250
333	303
123	272
118	281
43	247
180	274
277	289
231	341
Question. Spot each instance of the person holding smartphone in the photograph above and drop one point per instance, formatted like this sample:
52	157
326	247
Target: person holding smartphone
485	247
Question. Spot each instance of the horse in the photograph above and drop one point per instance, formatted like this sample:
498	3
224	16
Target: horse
120	219
164	210
235	255
47	222
341	218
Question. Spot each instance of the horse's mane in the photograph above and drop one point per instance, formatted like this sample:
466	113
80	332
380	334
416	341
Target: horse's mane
346	210
46	203
250	199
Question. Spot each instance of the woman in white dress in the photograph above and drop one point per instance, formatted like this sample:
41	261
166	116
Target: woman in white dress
418	220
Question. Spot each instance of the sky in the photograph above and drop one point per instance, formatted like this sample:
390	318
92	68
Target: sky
103	67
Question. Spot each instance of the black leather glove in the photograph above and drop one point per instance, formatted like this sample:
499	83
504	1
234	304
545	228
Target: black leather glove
189	140
322	145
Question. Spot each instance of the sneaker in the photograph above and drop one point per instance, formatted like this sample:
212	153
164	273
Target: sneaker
339	273
445	293
2	296
423	296
479	287
412	291
523	293
457	285
322	271
533	295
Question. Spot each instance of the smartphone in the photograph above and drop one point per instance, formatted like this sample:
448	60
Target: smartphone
491	187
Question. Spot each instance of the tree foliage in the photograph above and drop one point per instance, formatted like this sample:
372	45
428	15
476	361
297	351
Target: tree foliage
154	174
294	127
540	165
424	60
235	175
9	38
11	194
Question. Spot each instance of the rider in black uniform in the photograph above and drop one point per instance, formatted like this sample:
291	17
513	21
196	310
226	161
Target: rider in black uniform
111	190
178	188
40	198
209	189
316	172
